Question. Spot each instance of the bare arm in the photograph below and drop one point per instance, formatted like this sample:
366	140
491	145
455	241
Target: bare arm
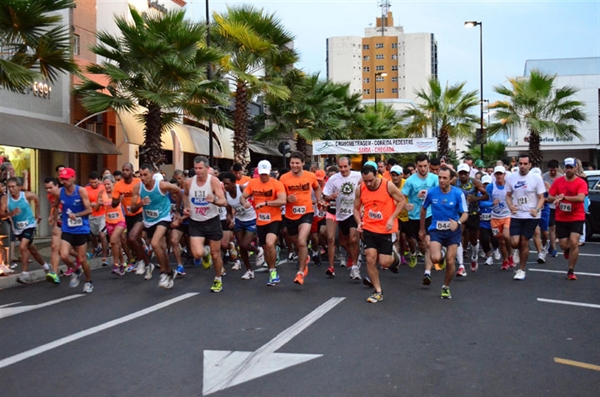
86	203
136	203
357	207
29	196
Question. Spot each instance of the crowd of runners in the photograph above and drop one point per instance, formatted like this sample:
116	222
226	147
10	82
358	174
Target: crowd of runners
383	216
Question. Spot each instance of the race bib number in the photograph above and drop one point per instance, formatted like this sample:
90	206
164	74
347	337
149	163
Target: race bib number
299	210
346	211
565	207
151	213
442	225
486	217
113	215
264	217
375	215
522	200
495	231
78	221
321	214
22	224
240	211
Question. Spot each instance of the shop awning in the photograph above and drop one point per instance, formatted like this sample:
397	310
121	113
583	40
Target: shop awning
28	132
261	148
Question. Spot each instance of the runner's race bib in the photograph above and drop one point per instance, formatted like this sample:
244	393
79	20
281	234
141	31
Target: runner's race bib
495	231
151	213
442	225
22	224
113	215
485	217
565	207
375	215
522	200
346	211
264	217
78	221
299	210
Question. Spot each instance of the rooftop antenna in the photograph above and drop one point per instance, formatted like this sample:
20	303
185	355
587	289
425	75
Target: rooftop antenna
385	7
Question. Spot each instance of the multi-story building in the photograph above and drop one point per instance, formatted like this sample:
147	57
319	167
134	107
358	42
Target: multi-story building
580	73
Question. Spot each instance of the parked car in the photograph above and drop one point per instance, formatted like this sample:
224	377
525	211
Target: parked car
592	218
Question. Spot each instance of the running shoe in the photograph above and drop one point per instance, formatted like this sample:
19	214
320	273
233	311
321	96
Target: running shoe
489	261
165	281
367	282
88	287
497	254
403	261
197	261
515	258
277	254
180	270
74	282
355	273
25	278
98	251
553	252
426	279
461	272
394	266
375	297
273	278
519	275
299	279
149	270
122	269
217	286
437	267
223	271
207	259
104	262
131	267
566	253
541	258
306	266
46	267
317	259
446	293
505	265
115	269
260	258
237	265
71	270
474	266
232	251
511	262
290	257
571	275
248	275
140	268
412	260
343	262
330	271
52	277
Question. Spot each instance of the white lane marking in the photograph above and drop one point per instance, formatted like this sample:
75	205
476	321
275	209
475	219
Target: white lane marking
564	272
90	331
592	305
11	311
224	368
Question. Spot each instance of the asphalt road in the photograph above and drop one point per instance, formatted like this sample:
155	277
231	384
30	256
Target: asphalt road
494	338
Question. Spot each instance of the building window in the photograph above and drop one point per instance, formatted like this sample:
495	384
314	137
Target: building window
379	78
366	58
394	90
380	90
395	79
394	45
76	44
366	69
367	92
394	56
366	47
379	45
379	67
367	80
379	56
394	67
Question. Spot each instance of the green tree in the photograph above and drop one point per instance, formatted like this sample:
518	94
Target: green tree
446	111
377	122
35	42
534	103
256	43
492	151
158	62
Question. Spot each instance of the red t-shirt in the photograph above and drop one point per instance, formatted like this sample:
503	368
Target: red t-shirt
568	211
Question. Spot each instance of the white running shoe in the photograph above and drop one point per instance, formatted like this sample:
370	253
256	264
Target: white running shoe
260	258
516	257
25	278
497	254
141	268
88	287
248	275
489	261
343	262
461	272
237	265
165	281
46	267
355	273
519	275
149	270
541	257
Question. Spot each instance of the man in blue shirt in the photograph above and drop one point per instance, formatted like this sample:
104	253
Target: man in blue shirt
448	211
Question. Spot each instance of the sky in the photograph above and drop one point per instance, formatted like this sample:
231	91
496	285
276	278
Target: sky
513	31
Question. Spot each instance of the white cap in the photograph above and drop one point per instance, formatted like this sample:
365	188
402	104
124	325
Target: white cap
571	162
397	169
486	179
499	169
464	167
536	170
264	167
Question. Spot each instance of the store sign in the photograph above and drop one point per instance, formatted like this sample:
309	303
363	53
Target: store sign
375	146
41	90
157	6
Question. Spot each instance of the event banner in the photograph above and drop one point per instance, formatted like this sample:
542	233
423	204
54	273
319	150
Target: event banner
375	146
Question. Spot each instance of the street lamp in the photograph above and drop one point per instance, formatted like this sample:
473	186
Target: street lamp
378	74
211	155
472	24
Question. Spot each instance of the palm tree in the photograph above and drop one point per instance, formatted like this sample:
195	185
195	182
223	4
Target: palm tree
446	112
35	43
256	42
377	122
535	104
493	150
317	109
157	62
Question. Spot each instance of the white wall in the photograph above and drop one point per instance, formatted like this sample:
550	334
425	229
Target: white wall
345	61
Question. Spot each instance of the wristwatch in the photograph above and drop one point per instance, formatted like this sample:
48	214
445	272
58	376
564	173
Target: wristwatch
458	221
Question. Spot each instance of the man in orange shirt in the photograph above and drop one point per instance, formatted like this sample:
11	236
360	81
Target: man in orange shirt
269	195
98	216
122	192
381	202
240	178
299	185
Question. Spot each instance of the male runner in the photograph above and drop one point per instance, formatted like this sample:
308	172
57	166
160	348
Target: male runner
549	178
95	189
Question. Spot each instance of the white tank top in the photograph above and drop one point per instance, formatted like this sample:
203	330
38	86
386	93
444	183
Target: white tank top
241	213
200	209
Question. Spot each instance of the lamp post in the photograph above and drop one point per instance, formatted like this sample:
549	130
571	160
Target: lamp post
472	24
378	74
208	77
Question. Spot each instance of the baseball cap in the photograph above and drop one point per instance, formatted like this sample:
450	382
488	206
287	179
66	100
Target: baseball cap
372	164
397	169
464	167
486	179
479	163
264	167
571	162
320	174
66	173
499	169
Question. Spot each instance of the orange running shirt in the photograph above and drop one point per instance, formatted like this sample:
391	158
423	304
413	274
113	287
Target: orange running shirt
378	208
301	187
93	195
243	180
262	192
126	189
113	215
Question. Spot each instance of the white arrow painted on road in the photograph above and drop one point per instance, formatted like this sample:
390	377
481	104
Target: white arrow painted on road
11	311
225	368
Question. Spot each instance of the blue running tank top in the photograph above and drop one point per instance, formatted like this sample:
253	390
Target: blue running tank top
159	208
25	219
73	204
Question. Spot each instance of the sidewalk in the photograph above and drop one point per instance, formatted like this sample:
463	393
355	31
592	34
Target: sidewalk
36	271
